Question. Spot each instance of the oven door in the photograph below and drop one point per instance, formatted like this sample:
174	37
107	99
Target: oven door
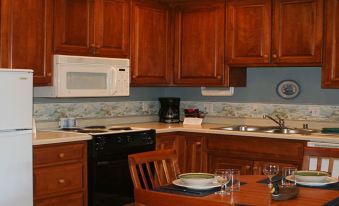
113	185
81	80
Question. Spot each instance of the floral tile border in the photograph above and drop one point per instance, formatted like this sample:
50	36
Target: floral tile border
54	111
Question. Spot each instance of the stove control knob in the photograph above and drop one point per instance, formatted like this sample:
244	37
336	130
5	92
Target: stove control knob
130	139
119	140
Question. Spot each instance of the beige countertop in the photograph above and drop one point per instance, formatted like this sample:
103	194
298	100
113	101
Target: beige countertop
206	128
50	137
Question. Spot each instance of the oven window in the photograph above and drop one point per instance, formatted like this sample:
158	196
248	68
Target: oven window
86	80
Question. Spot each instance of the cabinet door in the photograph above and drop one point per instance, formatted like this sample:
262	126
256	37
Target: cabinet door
297	32
150	44
221	161
111	28
175	142
194	153
248	43
330	70
73	27
259	165
199	43
26	37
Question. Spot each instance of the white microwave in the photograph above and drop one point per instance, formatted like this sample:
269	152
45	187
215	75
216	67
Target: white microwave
80	76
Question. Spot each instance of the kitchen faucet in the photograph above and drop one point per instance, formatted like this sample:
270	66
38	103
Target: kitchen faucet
280	121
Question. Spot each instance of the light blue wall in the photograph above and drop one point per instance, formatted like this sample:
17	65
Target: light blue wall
261	87
261	83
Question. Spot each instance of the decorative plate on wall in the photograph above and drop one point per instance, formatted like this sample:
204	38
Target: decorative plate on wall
288	89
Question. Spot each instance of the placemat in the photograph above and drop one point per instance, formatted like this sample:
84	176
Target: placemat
334	202
326	187
186	191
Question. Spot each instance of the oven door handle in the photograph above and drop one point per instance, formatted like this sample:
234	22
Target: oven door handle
104	163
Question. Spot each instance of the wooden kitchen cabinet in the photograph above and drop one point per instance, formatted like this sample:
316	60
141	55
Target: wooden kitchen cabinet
26	37
175	142
199	36
219	160
92	27
259	165
194	152
60	174
283	32
248	43
150	43
330	70
249	154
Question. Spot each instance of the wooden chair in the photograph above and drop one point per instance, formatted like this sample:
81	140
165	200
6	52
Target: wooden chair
151	169
320	154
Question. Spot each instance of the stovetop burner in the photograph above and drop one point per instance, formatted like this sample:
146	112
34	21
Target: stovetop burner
102	129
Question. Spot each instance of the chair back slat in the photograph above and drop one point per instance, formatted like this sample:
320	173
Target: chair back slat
142	173
152	178
321	155
152	169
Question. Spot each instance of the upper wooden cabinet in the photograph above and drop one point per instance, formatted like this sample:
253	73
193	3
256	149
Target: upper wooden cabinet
199	38
92	27
248	31
282	32
26	37
150	43
330	71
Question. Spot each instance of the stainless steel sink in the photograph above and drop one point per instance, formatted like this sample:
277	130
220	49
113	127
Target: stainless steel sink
265	129
245	128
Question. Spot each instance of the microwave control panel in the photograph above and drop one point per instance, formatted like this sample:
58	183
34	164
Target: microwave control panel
123	80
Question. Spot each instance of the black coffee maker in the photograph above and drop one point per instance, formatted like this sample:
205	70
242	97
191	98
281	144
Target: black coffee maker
169	109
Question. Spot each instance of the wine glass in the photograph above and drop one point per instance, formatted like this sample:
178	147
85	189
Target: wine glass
270	170
223	176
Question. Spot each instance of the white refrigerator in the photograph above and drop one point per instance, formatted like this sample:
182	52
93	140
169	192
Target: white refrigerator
16	168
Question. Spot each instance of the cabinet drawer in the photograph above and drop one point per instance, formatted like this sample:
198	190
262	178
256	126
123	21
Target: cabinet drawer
57	153
68	200
57	179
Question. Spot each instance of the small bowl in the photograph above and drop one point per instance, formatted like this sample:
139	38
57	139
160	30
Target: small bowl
197	178
311	176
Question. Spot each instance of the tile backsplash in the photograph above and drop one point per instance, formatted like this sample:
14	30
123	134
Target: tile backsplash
54	111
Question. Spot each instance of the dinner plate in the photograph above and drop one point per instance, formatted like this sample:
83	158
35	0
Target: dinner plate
329	180
179	182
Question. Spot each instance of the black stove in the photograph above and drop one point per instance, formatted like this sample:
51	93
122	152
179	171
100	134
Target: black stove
109	181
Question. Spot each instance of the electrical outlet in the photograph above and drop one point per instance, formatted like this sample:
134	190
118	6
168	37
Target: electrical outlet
208	107
144	107
314	111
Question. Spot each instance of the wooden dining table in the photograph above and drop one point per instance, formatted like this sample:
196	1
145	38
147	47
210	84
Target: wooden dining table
251	193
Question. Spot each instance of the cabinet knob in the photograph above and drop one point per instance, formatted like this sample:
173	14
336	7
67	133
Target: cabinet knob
218	77
198	143
49	74
92	46
265	56
61	155
274	56
61	181
134	76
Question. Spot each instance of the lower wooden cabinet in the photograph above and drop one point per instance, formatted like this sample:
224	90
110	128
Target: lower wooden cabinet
68	200
217	160
60	174
199	152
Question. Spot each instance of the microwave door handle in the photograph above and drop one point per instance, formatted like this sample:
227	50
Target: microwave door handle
113	81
